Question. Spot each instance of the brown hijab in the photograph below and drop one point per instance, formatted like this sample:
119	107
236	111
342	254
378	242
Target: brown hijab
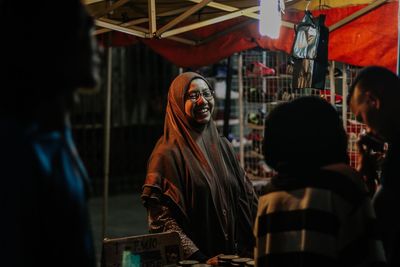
204	186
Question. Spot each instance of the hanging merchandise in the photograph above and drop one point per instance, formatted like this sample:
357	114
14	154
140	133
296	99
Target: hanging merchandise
309	54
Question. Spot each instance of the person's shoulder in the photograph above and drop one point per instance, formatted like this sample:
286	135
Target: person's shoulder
345	181
166	150
347	172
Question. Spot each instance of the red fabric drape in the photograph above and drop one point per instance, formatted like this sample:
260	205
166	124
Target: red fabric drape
369	40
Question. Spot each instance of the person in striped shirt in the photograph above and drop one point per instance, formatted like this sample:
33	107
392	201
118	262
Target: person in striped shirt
316	210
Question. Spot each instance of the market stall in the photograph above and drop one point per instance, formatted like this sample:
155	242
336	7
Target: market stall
197	33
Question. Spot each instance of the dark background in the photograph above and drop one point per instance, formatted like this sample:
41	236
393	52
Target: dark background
140	83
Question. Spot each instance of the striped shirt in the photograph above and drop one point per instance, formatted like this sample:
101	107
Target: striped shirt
325	219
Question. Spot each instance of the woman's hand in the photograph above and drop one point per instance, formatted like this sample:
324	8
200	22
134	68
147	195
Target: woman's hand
213	260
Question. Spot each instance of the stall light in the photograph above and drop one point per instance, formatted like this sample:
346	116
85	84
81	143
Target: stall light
270	17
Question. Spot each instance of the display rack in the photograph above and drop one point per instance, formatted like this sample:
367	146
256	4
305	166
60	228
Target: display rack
265	83
340	78
262	91
352	126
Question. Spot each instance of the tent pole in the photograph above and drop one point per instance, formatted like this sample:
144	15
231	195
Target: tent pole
227	102
356	14
398	38
345	91
241	109
107	126
332	83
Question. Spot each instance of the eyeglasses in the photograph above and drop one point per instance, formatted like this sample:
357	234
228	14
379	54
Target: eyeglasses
195	95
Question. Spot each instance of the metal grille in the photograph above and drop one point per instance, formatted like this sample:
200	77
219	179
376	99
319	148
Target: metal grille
266	83
353	127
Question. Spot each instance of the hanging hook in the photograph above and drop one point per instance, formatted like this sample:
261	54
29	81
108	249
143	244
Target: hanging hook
281	6
309	1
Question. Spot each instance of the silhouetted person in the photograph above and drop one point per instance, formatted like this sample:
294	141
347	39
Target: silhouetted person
47	53
374	100
316	211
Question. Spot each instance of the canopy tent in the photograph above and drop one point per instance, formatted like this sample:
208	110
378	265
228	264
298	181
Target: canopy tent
194	33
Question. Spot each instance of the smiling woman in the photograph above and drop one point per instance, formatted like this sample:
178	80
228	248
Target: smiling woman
194	184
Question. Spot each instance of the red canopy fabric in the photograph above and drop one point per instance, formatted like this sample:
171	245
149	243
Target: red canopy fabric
368	40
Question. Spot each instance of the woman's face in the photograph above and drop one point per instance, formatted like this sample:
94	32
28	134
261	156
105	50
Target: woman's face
199	101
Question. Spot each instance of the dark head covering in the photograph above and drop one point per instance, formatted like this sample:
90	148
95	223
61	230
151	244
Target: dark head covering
202	184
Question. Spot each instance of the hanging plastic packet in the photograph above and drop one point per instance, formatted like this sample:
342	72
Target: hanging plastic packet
309	54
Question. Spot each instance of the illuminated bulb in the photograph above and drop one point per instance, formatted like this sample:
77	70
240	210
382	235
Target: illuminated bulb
270	18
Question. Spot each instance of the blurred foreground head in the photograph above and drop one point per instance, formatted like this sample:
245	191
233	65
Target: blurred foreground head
304	134
47	50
